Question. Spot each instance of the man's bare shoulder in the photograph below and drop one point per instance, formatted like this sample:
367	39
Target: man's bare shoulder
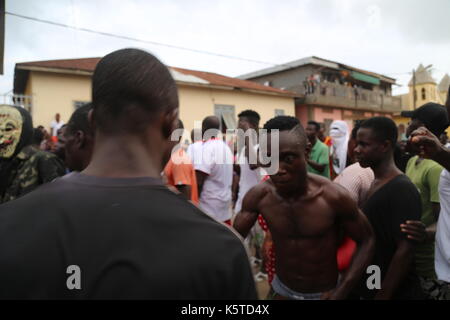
332	192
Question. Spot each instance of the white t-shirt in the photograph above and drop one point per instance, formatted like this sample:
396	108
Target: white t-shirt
248	178
442	248
55	126
194	151
217	162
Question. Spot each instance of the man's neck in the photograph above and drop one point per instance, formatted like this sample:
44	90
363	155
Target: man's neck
124	157
386	169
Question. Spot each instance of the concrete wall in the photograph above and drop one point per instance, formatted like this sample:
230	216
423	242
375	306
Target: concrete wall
55	93
287	79
196	103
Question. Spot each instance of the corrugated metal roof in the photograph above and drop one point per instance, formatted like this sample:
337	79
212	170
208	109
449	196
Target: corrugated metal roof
181	75
314	61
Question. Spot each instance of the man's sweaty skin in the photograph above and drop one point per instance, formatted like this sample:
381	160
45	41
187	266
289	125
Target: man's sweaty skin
304	213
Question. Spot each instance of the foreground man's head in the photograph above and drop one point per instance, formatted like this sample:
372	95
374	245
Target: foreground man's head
135	99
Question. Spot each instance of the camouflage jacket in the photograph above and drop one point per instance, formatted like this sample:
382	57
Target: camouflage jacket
36	167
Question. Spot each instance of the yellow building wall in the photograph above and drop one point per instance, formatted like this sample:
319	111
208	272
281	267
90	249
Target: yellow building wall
56	93
198	103
431	95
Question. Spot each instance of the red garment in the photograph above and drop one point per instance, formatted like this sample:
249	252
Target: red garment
228	222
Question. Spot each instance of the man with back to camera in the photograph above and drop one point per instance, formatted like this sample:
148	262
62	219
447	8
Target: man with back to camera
115	221
214	172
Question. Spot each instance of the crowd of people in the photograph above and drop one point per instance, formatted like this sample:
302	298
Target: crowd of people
142	216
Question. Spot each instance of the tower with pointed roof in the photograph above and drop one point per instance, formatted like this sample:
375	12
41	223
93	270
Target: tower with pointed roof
426	89
443	87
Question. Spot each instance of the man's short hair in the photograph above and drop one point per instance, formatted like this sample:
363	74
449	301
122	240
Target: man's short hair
252	117
287	123
79	120
383	128
129	87
356	126
315	124
38	136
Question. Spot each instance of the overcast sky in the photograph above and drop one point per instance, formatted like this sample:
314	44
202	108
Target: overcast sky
384	36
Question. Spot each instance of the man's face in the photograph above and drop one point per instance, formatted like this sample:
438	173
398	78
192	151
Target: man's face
311	132
413	125
369	151
60	146
73	155
10	130
443	138
351	149
244	124
57	117
292	162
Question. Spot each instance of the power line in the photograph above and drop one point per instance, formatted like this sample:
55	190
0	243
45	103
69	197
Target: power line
140	40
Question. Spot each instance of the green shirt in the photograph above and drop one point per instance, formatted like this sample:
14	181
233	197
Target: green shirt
425	176
320	155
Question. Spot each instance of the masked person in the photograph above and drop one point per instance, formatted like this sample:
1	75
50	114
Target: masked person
22	167
339	133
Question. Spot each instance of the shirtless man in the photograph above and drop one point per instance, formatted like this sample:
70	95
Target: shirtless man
305	213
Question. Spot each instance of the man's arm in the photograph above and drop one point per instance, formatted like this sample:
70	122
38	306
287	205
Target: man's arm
430	147
316	166
398	269
406	206
185	190
245	219
357	227
201	177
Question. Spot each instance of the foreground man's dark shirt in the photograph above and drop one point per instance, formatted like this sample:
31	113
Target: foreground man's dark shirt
132	238
391	205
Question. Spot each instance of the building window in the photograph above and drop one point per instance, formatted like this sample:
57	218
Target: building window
268	83
279	112
78	104
327	110
424	95
226	114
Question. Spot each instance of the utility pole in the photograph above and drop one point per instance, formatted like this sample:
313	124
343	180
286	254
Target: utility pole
2	33
414	89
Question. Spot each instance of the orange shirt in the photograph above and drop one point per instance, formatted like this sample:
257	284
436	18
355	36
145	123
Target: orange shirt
179	171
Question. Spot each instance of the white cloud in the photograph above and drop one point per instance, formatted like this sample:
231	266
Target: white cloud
384	36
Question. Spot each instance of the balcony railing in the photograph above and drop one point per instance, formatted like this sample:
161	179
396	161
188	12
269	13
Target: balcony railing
18	100
332	94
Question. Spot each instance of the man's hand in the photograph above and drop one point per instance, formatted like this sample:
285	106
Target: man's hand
328	295
428	144
415	230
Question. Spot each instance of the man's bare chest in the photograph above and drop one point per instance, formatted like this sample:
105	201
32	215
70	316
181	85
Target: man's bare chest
310	218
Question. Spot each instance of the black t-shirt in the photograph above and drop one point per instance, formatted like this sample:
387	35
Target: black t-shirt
391	205
131	238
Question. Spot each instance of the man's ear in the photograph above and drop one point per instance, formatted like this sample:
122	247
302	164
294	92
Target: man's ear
80	139
91	120
386	145
170	122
